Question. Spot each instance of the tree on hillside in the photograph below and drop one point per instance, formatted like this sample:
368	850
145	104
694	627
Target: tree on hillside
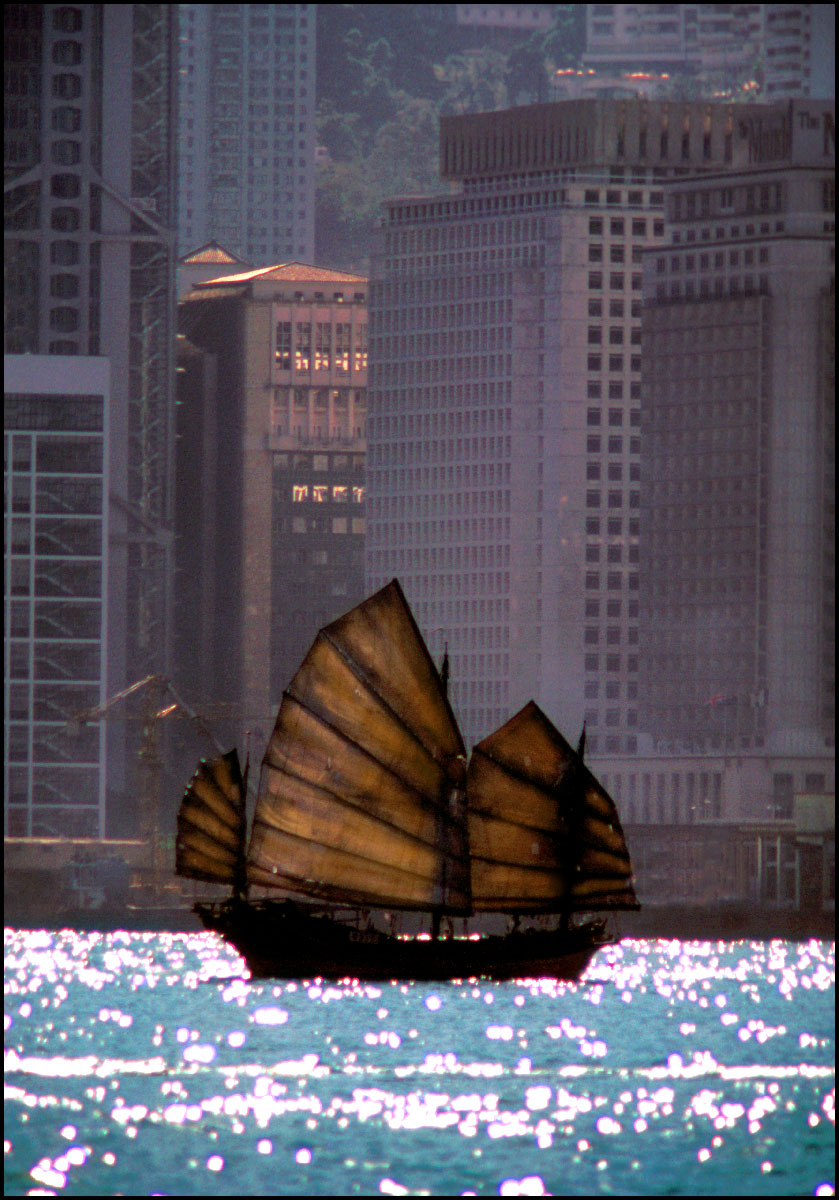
386	73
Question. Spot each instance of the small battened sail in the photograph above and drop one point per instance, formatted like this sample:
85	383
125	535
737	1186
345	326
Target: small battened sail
603	877
544	836
361	798
211	824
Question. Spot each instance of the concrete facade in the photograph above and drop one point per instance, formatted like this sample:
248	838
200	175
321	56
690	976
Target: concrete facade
247	129
505	431
737	502
273	375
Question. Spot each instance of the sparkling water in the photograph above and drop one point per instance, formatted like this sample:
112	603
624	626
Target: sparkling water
140	1063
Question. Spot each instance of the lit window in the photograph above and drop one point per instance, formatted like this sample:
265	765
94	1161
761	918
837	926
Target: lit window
323	346
358	495
303	347
340	494
360	359
320	493
282	354
300	492
342	348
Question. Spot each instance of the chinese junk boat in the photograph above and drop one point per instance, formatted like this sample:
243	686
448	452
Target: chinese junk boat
367	802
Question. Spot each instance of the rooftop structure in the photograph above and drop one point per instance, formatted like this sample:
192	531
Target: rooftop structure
203	263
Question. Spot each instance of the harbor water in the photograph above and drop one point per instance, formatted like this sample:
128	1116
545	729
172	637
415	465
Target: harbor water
140	1063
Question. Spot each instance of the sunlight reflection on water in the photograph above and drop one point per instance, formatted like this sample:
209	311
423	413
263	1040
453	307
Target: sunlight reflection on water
150	1063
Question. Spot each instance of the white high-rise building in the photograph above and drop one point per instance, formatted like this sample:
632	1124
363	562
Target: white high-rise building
504	435
89	229
247	129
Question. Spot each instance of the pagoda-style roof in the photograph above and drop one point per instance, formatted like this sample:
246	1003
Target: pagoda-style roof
210	253
293	272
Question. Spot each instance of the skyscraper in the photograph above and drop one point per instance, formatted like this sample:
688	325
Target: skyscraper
89	233
247	129
505	400
781	50
738	443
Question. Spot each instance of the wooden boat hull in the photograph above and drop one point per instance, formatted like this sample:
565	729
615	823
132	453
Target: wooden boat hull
278	941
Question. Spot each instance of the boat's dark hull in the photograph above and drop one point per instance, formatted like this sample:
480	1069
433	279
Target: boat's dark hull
277	941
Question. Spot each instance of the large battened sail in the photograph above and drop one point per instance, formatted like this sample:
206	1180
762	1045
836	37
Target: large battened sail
361	798
211	824
544	835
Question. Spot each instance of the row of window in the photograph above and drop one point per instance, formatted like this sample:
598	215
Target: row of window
614	471
56	536
595	334
329	345
339	525
617	281
611	662
617	227
321	493
690	261
615	417
614	635
615	581
613	444
614	553
58	619
743	198
719	287
74	578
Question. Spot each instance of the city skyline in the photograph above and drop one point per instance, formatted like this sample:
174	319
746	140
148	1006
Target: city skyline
517	331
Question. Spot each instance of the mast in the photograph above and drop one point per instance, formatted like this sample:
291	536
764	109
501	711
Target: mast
571	786
240	876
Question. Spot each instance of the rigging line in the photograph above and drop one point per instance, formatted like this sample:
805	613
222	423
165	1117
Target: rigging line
349	854
355	808
432	807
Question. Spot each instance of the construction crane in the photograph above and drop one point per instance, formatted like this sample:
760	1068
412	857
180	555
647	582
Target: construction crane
157	690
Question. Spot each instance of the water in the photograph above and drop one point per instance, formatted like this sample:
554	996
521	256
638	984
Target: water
148	1063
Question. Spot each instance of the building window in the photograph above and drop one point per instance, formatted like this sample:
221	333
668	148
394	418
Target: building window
303	346
323	346
282	354
342	348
